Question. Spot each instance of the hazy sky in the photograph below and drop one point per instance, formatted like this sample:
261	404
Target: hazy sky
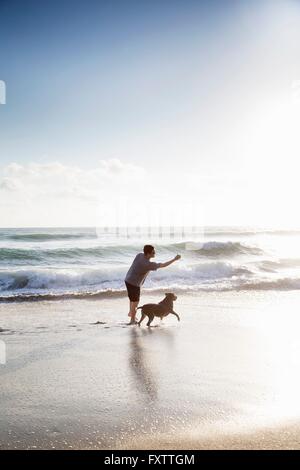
136	101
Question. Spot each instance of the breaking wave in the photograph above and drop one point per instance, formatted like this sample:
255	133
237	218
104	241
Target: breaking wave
93	254
46	264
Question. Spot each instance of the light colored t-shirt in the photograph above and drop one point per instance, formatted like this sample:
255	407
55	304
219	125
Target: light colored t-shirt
139	269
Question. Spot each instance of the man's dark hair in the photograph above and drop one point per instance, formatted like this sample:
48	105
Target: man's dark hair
148	249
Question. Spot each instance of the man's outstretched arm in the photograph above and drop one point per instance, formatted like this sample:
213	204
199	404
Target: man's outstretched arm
167	263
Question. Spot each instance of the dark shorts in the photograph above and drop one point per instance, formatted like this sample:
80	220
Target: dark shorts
133	292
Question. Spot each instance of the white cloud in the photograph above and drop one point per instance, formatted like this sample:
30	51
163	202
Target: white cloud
58	194
9	184
55	177
116	192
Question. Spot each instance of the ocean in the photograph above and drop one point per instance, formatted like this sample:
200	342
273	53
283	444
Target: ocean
49	263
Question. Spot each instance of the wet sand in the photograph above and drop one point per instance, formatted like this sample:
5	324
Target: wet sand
226	376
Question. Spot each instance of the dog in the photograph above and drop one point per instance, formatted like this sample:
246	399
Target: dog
161	310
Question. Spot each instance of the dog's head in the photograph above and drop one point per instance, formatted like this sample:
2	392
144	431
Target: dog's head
170	296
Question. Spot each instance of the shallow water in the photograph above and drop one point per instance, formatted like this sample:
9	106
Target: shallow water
230	365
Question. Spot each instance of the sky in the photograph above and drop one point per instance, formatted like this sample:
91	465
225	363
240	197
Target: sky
129	107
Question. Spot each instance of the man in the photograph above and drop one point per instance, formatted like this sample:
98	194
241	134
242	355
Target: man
137	274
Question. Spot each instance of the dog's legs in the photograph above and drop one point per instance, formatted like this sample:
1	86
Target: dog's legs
151	317
176	315
142	318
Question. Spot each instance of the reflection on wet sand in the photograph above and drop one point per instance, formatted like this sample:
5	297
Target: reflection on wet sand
141	361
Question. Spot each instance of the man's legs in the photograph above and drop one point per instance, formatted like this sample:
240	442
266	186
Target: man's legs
134	298
132	310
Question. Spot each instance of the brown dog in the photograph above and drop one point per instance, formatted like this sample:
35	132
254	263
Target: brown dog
161	310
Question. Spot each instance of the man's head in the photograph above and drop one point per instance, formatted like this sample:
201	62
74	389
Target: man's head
149	251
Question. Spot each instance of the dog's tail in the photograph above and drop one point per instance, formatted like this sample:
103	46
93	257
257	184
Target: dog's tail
140	307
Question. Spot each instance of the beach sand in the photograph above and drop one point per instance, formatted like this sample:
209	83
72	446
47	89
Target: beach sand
225	377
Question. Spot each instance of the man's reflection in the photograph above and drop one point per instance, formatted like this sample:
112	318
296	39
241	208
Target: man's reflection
140	362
